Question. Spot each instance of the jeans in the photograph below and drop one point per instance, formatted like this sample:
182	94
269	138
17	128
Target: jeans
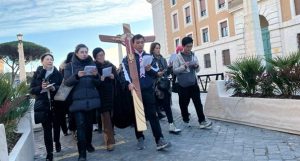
84	125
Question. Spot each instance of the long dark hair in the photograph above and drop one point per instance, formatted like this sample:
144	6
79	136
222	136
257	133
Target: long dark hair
152	47
69	57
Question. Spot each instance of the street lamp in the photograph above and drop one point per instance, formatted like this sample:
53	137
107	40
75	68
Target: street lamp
22	74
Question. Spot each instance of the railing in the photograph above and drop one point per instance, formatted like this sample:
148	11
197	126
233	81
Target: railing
207	78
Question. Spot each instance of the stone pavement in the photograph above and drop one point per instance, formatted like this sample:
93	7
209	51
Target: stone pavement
224	142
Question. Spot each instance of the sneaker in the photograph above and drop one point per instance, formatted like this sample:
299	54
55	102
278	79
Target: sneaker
95	127
58	147
205	124
90	148
186	124
173	129
140	145
161	144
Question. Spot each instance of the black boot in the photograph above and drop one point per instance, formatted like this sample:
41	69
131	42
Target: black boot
90	148
82	151
58	147
49	157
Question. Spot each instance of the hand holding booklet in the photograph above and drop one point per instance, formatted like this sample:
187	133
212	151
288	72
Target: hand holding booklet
147	60
89	70
106	71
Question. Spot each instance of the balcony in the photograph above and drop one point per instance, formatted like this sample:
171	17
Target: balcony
234	5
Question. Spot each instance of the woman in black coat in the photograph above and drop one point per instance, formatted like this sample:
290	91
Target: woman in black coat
85	96
45	83
106	90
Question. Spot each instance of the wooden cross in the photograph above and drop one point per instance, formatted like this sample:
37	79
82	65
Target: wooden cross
125	39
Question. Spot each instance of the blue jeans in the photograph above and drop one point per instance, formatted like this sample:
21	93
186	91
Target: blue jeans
84	124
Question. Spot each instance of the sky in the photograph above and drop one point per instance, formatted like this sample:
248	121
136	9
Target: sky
62	24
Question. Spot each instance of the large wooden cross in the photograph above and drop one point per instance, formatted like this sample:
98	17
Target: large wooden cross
125	39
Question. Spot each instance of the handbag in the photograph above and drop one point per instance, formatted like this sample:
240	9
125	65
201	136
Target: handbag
63	91
163	83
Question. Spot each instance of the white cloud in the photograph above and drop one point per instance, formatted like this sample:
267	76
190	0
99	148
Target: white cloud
31	16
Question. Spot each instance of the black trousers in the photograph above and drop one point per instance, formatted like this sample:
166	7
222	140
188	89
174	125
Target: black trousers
51	123
166	104
150	112
84	125
187	93
60	115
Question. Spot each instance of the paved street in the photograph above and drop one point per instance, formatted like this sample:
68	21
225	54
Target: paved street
224	142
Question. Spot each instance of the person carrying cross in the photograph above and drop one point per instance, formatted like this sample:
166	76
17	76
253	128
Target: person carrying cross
147	77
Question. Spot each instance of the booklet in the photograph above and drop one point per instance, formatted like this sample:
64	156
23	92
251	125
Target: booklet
89	69
106	71
147	60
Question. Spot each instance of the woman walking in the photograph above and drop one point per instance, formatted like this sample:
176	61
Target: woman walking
83	76
107	92
45	83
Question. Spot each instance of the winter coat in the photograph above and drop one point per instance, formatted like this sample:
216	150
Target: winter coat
42	102
145	82
107	87
85	96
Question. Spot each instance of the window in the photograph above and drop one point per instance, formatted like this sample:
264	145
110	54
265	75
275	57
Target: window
177	41
221	4
202	8
297	7
226	57
207	63
224	29
298	39
187	11
205	35
173	2
175	21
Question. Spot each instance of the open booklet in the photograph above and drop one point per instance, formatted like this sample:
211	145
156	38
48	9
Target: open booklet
106	71
89	69
47	87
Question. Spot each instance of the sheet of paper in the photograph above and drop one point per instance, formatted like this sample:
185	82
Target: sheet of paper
106	71
147	60
89	69
172	58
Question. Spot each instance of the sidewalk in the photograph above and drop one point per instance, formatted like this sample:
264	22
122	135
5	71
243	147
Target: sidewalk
224	142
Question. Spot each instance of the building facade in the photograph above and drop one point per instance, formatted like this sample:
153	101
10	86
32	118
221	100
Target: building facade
224	30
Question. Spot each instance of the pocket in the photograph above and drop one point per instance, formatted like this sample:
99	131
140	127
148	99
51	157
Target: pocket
40	117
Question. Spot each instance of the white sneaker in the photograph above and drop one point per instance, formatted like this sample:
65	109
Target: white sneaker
205	124
173	129
95	127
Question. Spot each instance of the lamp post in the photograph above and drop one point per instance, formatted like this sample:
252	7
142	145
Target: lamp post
22	74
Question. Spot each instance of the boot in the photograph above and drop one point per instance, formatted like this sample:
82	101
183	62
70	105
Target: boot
82	151
49	157
58	147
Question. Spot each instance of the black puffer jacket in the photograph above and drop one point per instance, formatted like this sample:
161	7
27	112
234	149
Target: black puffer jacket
107	87
85	96
42	103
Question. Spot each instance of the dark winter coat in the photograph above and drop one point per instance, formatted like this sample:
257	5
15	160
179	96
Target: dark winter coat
107	87
85	96
145	82
42	102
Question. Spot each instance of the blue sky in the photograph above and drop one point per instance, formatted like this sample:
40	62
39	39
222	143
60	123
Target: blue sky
62	24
